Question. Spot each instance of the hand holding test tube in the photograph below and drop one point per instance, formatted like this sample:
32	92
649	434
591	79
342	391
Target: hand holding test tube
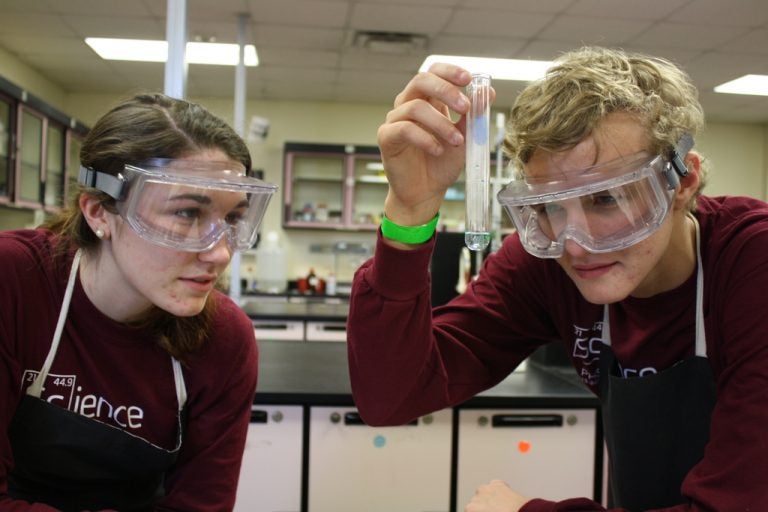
477	168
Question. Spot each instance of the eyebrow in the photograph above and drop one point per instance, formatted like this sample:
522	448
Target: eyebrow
203	199
194	197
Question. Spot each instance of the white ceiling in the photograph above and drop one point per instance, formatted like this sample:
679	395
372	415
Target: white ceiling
306	50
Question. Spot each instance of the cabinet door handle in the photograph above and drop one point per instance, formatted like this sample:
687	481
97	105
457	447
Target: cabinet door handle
258	416
336	328
271	325
527	420
353	418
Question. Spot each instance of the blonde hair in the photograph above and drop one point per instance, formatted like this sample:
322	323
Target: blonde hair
585	85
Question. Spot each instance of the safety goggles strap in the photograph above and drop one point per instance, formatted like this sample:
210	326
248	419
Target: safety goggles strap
107	183
682	148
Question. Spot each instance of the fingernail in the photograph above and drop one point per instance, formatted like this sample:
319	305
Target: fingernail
462	104
457	139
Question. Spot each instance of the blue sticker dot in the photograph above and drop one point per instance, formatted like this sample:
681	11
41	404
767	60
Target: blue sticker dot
379	441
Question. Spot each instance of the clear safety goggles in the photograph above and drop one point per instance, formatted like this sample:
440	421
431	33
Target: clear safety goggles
605	208
187	205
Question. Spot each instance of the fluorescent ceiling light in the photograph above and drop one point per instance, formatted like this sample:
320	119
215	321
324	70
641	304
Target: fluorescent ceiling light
747	84
499	69
157	51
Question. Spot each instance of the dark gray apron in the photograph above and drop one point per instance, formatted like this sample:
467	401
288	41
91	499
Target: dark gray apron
74	463
656	426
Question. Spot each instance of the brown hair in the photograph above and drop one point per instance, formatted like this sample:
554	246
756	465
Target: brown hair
560	110
142	127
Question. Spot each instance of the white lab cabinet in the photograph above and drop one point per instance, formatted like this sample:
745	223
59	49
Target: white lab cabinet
265	329
540	453
326	331
270	476
354	467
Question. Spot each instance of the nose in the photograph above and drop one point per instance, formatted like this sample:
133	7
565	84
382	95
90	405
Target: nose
566	217
220	253
574	249
576	216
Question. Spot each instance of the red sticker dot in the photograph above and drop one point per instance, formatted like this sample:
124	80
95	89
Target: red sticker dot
523	446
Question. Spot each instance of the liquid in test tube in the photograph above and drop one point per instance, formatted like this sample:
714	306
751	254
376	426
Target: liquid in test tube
477	233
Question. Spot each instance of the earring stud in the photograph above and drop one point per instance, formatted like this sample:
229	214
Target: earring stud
100	233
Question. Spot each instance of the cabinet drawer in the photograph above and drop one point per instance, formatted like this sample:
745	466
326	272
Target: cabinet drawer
543	453
326	331
270	475
403	469
278	329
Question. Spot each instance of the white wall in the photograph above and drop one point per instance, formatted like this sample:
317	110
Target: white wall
737	158
27	78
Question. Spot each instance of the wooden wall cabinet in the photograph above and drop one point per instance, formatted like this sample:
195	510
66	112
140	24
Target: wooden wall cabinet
7	137
327	186
343	187
39	151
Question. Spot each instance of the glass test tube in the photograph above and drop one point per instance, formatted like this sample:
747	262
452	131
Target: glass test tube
477	232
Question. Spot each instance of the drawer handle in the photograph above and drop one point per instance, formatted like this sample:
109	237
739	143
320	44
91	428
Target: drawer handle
334	328
283	327
527	420
353	418
258	416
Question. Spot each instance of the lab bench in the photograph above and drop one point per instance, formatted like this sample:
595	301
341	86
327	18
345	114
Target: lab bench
301	318
309	451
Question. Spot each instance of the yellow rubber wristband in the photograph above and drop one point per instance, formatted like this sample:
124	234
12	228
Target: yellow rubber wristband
408	234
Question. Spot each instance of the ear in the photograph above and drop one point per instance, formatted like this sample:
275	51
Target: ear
689	184
94	212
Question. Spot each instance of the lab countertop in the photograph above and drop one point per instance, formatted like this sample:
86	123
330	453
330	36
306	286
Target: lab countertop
316	373
310	310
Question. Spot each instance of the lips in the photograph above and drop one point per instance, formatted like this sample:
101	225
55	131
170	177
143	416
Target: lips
201	279
592	270
200	283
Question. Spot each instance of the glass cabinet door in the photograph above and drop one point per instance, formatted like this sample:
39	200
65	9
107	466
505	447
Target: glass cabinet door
315	192
54	168
6	120
30	158
333	186
74	143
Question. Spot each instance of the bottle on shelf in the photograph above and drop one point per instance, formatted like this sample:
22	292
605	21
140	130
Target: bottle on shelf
271	267
330	285
312	281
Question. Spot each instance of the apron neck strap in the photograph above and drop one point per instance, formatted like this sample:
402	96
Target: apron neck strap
701	338
181	387
36	388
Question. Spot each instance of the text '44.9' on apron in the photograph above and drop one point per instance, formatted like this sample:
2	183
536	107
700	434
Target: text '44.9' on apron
75	463
656	426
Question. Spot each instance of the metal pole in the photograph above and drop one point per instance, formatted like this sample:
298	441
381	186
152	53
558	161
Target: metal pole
235	290
176	35
239	114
